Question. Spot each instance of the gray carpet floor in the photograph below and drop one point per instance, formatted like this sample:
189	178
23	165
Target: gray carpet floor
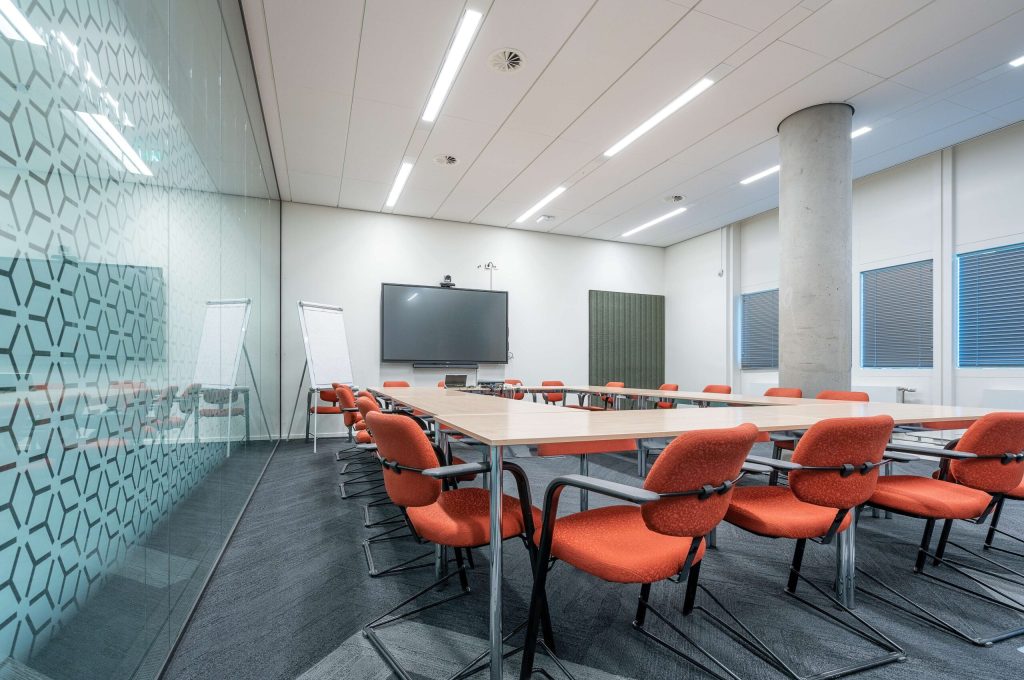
291	594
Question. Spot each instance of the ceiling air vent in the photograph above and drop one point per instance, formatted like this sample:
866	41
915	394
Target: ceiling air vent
675	198
506	60
445	159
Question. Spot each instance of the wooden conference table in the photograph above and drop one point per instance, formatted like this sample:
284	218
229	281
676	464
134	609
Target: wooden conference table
498	422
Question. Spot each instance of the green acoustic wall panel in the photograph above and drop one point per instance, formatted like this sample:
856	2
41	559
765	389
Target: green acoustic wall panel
627	338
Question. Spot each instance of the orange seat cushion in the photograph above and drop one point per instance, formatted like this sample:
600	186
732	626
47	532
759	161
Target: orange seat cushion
774	511
461	518
615	544
363	437
325	410
929	498
360	425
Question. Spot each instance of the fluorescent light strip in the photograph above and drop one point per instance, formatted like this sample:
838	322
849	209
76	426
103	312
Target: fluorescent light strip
1019	61
656	220
396	188
123	144
761	175
18	21
860	131
452	62
540	204
676	104
114	142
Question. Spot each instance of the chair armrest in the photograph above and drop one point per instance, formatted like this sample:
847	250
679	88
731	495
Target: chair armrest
900	457
755	468
930	451
774	464
349	410
624	492
447	471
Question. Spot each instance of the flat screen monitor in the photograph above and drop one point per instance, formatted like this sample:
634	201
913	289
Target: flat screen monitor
443	325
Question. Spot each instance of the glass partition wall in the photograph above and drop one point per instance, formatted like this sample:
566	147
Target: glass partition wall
139	322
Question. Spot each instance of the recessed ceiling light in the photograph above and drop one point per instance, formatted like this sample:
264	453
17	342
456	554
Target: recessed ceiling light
1019	61
545	218
396	188
114	142
656	220
15	26
761	175
860	131
540	204
452	62
676	104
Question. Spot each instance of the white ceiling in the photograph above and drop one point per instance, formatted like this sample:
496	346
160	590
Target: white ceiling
344	82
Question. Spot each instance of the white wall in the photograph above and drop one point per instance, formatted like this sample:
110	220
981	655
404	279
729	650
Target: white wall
697	317
342	256
964	198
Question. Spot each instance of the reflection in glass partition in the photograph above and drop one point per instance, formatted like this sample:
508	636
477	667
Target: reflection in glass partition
136	188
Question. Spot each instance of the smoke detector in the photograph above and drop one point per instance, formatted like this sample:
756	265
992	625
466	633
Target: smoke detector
675	198
506	60
446	159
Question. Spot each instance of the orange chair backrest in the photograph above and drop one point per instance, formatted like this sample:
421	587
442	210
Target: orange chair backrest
834	442
840	395
794	392
991	435
367	404
690	461
395	383
440	383
552	396
717	389
329	396
400	440
613	383
345	396
515	381
667	387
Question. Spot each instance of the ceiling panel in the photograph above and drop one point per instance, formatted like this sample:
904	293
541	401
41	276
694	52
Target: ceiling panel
925	33
614	34
841	25
753	15
344	83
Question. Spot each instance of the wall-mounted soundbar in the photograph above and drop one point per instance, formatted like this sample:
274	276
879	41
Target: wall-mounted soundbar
445	364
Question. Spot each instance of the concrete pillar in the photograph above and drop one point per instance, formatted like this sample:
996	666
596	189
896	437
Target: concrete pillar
815	225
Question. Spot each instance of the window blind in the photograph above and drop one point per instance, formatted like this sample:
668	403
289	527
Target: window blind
896	316
990	298
759	330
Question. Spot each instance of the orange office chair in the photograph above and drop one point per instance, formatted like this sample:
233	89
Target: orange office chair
786	441
975	474
667	387
437	513
834	471
584	449
553	397
227	403
717	389
658	537
516	394
396	383
793	392
609	399
347	405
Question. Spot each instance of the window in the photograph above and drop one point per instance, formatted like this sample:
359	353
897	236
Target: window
896	316
759	330
990	299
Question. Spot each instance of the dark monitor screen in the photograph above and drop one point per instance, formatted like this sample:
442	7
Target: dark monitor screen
443	325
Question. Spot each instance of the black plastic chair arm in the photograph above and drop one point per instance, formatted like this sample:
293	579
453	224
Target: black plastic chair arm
929	451
460	470
785	465
623	492
346	409
756	468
